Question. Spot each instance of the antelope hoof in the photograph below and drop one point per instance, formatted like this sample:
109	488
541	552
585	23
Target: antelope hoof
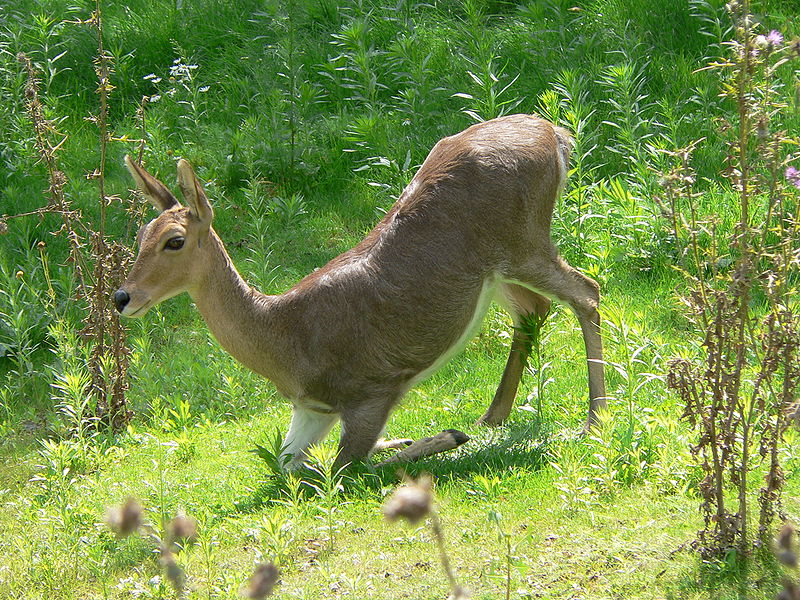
590	424
490	420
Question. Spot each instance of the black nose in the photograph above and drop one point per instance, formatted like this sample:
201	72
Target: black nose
121	299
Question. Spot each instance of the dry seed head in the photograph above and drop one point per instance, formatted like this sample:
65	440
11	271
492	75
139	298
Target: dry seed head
788	558
412	501
3	227
792	413
762	128
126	519
785	551
262	581
183	528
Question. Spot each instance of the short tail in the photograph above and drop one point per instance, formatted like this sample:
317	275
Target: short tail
565	144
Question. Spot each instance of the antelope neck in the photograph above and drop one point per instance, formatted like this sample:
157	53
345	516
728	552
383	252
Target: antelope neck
243	320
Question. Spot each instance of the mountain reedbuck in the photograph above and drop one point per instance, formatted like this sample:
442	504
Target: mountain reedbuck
351	338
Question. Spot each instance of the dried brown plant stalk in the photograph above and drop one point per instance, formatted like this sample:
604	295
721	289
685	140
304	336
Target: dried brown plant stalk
110	354
99	264
741	389
45	136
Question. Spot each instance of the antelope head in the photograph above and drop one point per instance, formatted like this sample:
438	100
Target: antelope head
172	247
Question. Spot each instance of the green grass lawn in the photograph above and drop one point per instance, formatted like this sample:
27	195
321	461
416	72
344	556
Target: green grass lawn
305	120
634	542
572	537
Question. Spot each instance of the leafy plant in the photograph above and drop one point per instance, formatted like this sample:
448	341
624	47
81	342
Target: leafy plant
272	455
741	384
504	567
533	326
629	114
327	485
573	480
289	210
182	89
275	537
490	97
20	329
358	66
572	110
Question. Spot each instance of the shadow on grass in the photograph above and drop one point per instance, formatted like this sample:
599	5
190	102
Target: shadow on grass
519	445
756	576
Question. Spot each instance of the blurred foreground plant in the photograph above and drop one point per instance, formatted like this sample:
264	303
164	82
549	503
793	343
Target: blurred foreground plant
414	502
128	519
786	553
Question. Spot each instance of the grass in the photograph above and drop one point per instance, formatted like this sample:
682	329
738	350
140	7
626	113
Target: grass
624	542
628	544
306	120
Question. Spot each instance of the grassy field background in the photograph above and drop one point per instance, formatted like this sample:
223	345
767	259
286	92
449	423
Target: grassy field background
306	120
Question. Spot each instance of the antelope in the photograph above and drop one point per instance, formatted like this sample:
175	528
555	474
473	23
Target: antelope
351	338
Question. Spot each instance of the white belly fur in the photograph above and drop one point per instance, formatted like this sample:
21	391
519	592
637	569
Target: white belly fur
485	298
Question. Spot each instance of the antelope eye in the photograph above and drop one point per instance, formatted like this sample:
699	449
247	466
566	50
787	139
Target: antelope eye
175	243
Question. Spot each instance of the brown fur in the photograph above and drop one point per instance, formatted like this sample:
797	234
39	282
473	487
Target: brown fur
354	335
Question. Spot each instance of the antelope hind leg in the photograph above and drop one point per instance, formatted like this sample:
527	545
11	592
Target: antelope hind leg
441	442
523	304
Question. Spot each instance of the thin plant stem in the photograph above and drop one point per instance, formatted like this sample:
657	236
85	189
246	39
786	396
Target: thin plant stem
436	527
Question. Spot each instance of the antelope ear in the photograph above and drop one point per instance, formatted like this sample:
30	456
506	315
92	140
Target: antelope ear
155	191
194	194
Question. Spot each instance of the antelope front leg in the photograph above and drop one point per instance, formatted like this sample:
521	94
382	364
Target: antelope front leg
529	311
